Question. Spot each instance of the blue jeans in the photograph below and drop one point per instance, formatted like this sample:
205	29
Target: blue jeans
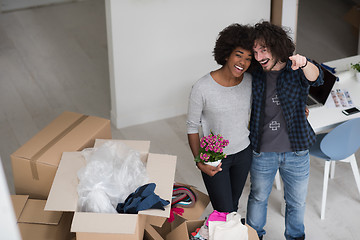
294	170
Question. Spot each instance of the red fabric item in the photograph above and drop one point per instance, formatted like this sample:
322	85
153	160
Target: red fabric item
175	210
196	232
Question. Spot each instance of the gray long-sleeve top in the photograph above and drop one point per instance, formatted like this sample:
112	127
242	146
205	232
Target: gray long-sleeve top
223	110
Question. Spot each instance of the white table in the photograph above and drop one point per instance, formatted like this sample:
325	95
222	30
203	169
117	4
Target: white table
324	118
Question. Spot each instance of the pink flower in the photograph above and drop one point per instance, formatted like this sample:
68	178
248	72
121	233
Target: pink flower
204	156
211	147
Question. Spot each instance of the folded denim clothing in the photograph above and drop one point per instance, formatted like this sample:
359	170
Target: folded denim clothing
142	199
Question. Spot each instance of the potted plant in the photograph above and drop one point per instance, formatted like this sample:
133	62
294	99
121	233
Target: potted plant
211	149
356	67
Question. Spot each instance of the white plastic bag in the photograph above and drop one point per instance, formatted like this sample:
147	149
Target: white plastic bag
113	171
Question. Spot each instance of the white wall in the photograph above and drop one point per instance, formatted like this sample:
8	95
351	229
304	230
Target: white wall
159	48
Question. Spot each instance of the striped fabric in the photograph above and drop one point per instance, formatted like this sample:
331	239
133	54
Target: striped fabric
183	196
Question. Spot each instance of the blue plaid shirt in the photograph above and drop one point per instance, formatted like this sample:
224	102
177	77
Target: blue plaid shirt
292	89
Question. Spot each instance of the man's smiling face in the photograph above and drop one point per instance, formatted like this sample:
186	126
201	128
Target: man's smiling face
263	55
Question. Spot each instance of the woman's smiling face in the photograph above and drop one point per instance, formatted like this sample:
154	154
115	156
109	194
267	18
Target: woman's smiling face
239	61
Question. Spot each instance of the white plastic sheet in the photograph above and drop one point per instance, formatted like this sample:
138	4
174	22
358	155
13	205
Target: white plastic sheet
113	171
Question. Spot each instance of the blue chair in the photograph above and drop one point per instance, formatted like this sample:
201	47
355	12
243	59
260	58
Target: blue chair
340	144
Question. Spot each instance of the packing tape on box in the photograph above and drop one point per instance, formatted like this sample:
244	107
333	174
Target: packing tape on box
34	159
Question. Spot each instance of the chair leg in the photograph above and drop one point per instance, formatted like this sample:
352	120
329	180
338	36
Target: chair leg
355	170
325	187
332	169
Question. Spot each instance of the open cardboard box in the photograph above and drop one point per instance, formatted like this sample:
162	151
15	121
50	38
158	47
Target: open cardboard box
157	229
35	223
35	163
103	226
184	230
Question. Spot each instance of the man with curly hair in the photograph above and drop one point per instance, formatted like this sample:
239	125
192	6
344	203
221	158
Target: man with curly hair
220	102
279	131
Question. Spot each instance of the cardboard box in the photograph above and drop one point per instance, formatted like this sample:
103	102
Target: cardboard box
184	230
157	229
35	223
87	225
35	163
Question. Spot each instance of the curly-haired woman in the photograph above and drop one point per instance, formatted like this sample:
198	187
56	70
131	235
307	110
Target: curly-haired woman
220	102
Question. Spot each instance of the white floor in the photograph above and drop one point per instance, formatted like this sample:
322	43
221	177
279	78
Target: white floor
54	59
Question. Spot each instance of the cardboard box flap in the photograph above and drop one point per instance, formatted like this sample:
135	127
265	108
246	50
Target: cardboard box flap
180	232
47	135
156	228
156	221
94	222
63	194
19	202
33	212
151	233
142	147
161	171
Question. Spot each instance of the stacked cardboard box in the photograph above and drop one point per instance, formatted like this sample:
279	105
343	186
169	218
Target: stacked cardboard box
34	167
35	163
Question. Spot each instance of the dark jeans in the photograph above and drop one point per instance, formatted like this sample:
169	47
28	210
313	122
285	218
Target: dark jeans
225	187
